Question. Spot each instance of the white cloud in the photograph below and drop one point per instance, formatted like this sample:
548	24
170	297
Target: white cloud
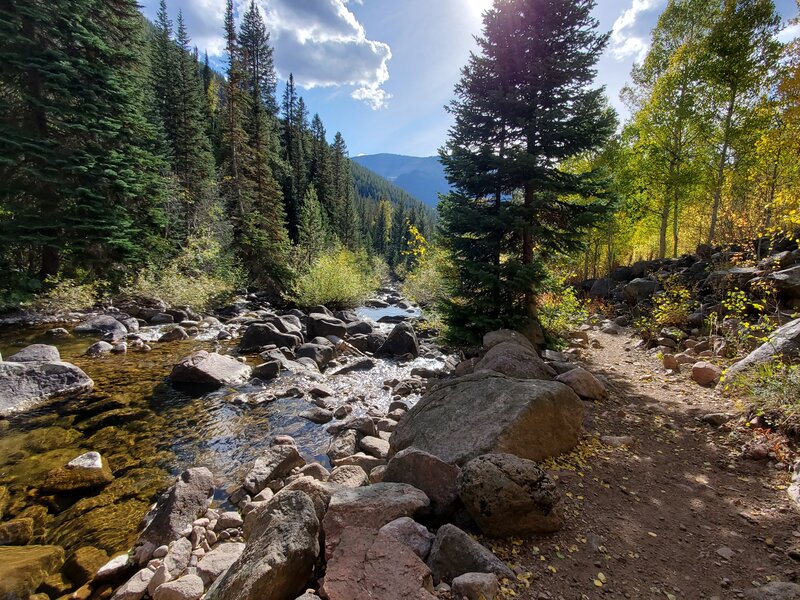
789	33
322	43
625	43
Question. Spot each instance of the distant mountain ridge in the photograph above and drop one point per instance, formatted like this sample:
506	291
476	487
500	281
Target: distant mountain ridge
422	177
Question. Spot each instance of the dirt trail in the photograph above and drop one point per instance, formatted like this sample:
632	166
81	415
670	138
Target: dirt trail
679	514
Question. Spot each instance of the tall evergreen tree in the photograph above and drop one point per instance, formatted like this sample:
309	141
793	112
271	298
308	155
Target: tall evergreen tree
523	106
311	231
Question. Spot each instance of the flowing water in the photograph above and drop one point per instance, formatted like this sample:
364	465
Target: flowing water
150	431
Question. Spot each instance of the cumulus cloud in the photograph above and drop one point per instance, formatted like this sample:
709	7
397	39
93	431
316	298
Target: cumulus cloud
322	43
625	42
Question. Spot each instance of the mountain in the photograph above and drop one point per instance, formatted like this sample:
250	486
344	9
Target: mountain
372	186
422	177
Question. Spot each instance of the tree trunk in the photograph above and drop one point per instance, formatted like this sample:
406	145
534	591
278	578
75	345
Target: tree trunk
712	230
662	232
527	250
675	224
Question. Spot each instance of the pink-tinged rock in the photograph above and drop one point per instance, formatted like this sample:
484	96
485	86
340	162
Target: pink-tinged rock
476	586
216	562
188	587
368	565
705	373
136	587
407	531
583	383
369	507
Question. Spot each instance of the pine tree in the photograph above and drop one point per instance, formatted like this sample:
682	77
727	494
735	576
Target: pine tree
164	59
311	231
319	168
80	186
523	106
257	57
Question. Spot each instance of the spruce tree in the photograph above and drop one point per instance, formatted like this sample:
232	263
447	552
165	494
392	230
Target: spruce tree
311	231
523	106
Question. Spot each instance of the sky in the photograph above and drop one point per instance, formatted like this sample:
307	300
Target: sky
382	71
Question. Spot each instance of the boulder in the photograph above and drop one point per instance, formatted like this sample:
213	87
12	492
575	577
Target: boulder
259	335
426	472
215	563
36	353
601	288
410	533
99	349
24	568
368	565
493	338
210	369
365	461
401	341
374	446
82	564
349	476
103	324
369	507
162	319
23	385
176	334
176	509
638	290
509	496
318	415
319	491
787	282
775	590
319	353
267	370
476	586
279	558
783	343
514	360
359	328
88	470
188	587
454	553
343	444
323	325
277	461
583	383
136	587
532	419
705	373
16	532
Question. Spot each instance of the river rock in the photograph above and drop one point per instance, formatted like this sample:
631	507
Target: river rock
784	342
349	476
82	565
188	587
476	586
320	493
103	324
365	461
36	353
342	445
410	533
215	563
99	349
114	568
276	462
368	564
319	353
359	328
22	385
509	496
136	587
369	507
583	383
454	553
374	446
88	470
323	325
210	368
638	290
176	509
24	568
259	335
267	370
426	472
175	334
514	360
502	336
17	532
705	373
279	557
775	590
401	341
318	415
533	419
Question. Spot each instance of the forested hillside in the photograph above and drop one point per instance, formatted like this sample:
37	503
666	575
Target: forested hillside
422	177
126	156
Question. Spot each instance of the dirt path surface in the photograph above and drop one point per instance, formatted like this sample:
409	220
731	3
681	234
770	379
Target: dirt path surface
680	513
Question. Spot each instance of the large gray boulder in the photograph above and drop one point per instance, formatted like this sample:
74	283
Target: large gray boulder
25	384
515	360
103	324
484	413
277	461
401	341
510	496
322	325
454	553
639	289
321	354
493	338
259	335
783	343
279	557
211	369
36	353
176	509
426	472
787	282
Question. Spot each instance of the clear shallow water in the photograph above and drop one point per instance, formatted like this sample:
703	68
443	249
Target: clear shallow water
149	432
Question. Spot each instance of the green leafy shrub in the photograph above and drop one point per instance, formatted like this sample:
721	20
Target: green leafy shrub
772	390
66	295
338	278
672	307
561	311
200	276
425	283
